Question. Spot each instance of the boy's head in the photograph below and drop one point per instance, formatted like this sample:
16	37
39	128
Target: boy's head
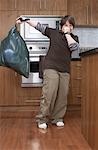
67	19
67	23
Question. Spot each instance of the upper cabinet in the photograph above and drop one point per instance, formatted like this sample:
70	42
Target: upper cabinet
85	11
41	5
7	4
25	5
7	21
94	12
21	5
57	5
80	10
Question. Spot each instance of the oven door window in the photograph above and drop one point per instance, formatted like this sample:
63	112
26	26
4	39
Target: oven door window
34	67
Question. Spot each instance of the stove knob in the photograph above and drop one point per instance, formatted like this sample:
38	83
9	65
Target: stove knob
30	48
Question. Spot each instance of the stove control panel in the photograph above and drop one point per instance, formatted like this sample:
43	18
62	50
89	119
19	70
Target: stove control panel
37	48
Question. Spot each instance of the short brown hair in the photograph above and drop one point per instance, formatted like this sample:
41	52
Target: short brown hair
68	18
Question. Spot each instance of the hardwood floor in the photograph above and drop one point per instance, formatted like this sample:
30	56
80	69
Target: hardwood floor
21	133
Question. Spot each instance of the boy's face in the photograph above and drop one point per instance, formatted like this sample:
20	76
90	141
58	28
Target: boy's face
67	27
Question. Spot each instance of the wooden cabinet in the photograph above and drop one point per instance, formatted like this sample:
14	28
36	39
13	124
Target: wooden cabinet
78	9
89	103
13	95
7	4
41	5
31	5
7	21
85	11
94	12
74	97
15	98
57	5
27	96
7	87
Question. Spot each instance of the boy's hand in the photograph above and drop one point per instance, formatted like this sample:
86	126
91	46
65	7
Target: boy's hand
20	20
66	29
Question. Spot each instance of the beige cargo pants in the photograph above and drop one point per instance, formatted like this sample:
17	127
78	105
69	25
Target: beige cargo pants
53	102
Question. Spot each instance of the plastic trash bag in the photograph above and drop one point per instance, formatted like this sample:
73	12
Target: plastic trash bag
41	66
14	53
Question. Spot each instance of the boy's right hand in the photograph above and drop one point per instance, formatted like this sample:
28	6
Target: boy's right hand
20	20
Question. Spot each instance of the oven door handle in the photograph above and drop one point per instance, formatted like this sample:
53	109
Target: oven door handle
34	59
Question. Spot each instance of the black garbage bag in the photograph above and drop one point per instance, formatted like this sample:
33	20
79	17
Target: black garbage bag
14	53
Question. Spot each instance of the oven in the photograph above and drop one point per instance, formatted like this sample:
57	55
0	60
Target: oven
37	45
34	79
37	50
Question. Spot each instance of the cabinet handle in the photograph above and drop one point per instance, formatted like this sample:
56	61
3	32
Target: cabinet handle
32	100
79	96
78	65
78	78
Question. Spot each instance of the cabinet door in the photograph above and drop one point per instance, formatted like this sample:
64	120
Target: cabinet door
57	5
74	97
7	87
12	94
7	4
7	21
80	10
28	96
94	12
28	5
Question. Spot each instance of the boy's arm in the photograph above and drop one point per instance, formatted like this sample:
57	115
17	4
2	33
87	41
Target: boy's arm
34	24
73	45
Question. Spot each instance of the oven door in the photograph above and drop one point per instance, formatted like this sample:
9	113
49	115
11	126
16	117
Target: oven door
33	80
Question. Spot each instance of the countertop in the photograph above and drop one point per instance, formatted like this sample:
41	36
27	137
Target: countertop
88	51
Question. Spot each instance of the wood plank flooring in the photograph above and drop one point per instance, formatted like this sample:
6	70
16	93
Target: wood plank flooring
20	133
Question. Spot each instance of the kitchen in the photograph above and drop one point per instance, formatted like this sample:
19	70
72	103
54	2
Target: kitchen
20	102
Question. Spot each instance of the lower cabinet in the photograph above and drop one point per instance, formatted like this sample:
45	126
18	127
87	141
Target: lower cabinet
8	90
15	97
28	96
89	104
74	96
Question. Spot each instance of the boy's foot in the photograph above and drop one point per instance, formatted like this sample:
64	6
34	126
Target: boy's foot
42	125
60	124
